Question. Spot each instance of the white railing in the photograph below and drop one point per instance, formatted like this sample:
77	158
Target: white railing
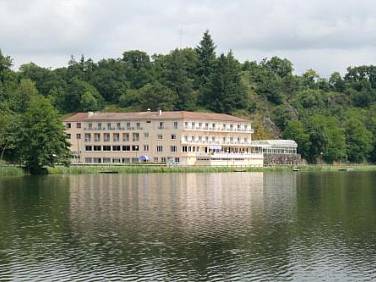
221	129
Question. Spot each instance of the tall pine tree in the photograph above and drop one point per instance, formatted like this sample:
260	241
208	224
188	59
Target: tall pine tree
206	63
225	92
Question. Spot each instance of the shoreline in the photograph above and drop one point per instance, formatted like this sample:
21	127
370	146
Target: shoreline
90	169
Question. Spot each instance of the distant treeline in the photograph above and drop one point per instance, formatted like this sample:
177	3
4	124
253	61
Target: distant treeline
331	119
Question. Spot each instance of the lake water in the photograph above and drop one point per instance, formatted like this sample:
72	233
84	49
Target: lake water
189	227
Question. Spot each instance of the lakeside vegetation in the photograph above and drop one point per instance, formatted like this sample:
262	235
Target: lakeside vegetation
72	170
332	119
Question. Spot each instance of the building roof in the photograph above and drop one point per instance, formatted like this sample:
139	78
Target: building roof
178	115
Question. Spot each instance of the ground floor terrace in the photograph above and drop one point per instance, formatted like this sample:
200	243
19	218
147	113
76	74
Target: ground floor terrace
213	155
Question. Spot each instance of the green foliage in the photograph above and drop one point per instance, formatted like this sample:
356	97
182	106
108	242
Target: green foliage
327	139
226	93
40	139
295	130
331	119
177	78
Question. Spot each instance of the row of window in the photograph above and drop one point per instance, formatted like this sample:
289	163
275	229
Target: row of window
201	125
125	137
119	125
214	139
125	148
129	160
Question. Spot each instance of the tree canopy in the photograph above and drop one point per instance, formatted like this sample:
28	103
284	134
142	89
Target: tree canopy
332	119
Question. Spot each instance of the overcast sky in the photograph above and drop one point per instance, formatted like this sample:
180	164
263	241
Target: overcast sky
325	35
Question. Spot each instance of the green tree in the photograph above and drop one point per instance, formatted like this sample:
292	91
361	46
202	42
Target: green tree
226	93
206	63
177	79
82	96
327	139
295	131
22	95
156	96
137	68
358	139
41	139
5	64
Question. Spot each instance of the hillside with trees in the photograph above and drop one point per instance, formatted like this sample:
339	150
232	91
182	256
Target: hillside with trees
332	119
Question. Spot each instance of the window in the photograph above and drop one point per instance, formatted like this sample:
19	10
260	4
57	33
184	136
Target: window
160	125
186	124
68	125
106	137
99	125
97	137
109	125
193	124
97	160
87	137
78	136
186	138
199	124
206	125
128	125
136	136
175	124
88	148
173	149
116	137
184	149
135	148
106	148
146	134
97	148
90	125
135	160
78	125
125	137
155	159
125	160
88	160
146	147
159	148
118	126
213	125
138	125
173	136
116	160
106	160
159	136
177	160
126	148
116	148
163	159
68	136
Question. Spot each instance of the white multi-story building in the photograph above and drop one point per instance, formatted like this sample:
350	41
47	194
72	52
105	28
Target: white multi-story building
181	138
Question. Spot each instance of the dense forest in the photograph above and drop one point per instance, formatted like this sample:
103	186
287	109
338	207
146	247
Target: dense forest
332	119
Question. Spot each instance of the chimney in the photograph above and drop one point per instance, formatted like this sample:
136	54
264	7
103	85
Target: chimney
159	112
90	114
148	110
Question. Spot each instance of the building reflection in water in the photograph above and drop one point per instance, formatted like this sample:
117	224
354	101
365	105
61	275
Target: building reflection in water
185	202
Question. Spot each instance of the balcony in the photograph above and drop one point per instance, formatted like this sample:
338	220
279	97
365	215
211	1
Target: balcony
215	142
219	129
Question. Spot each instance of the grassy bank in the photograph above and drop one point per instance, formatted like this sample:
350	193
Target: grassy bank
203	169
11	171
18	171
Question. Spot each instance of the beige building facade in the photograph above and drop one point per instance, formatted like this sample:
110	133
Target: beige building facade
175	138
